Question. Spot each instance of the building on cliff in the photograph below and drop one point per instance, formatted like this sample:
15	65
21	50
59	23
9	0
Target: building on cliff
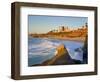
64	29
83	28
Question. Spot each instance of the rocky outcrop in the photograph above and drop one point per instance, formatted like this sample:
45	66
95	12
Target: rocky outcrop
62	57
85	51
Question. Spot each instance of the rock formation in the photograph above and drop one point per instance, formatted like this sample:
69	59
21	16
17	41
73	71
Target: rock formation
62	57
85	51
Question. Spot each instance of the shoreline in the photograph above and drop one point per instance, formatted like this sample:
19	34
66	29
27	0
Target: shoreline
77	39
70	39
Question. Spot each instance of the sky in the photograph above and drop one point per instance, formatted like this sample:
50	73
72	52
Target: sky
43	24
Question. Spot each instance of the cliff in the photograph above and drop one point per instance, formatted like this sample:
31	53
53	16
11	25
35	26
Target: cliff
79	32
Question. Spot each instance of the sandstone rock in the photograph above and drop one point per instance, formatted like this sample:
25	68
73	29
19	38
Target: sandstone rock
62	57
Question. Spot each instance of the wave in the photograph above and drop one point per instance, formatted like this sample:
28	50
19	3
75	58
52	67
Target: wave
42	46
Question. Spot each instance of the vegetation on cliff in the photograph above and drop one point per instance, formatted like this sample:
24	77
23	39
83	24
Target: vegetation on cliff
64	32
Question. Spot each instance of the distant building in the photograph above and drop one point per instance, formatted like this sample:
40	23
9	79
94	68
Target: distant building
69	29
64	29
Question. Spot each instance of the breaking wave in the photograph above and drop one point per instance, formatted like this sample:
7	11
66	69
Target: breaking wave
39	46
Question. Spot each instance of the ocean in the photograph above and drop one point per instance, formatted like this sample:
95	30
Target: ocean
42	49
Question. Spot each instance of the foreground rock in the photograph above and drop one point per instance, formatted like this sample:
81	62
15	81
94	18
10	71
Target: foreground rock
85	51
62	57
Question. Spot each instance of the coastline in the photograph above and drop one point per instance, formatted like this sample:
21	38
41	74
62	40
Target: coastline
76	39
